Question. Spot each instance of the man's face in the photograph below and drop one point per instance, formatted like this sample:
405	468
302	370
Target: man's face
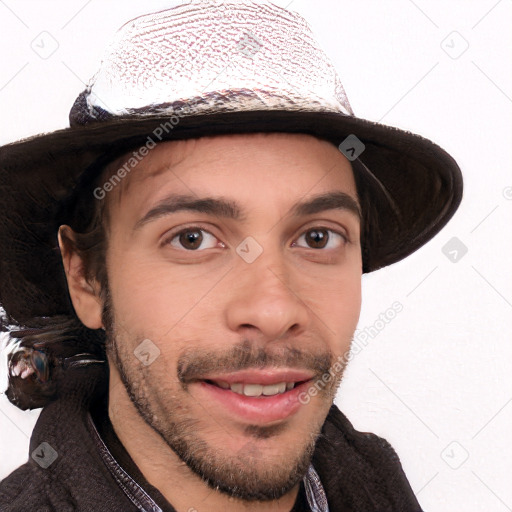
229	307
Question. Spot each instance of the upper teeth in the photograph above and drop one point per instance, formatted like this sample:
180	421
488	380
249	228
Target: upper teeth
257	389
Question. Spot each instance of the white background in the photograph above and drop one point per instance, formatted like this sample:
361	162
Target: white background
436	381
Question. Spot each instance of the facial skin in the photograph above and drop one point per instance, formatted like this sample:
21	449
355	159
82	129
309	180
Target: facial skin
211	313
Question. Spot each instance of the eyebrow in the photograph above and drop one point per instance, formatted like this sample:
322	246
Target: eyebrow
223	208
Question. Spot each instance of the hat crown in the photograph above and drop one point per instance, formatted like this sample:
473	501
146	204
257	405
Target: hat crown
212	56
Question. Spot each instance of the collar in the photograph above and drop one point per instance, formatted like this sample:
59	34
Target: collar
317	499
315	493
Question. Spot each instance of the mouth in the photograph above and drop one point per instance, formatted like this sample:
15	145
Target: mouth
258	397
255	390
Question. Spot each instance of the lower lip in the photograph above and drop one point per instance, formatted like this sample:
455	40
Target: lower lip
261	409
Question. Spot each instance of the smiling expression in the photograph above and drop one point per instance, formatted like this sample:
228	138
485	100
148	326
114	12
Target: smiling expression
234	266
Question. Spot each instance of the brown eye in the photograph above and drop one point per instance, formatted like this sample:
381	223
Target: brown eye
320	238
317	238
192	238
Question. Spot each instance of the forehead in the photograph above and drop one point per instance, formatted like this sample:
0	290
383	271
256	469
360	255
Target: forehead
254	169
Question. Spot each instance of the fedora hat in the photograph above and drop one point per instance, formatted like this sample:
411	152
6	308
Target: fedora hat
199	69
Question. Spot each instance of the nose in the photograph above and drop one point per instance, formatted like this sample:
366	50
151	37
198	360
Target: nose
263	300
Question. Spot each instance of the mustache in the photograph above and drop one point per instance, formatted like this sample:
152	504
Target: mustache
195	363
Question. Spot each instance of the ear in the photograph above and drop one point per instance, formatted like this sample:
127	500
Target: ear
85	295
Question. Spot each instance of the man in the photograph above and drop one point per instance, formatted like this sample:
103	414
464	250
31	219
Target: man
183	273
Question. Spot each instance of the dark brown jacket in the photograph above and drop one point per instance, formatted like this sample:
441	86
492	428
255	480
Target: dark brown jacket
92	472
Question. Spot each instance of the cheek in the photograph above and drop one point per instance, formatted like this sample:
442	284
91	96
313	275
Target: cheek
337	303
346	312
136	297
153	299
349	311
